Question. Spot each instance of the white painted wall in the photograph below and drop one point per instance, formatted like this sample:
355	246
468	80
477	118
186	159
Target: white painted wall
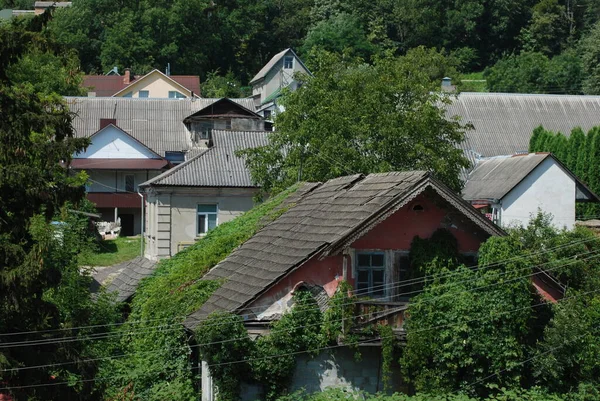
157	86
278	77
549	188
112	143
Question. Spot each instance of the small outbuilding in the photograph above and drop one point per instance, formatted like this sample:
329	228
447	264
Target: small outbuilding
511	189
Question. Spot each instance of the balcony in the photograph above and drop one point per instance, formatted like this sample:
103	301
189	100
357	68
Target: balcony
115	199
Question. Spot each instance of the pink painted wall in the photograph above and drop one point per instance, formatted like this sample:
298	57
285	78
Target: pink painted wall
398	231
395	233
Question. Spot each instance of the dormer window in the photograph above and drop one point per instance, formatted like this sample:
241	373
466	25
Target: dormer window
288	62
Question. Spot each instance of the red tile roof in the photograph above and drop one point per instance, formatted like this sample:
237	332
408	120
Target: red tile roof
108	85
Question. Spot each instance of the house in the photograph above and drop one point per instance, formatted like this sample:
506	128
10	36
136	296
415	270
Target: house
356	228
116	163
136	139
276	75
184	203
511	189
41	6
504	122
155	84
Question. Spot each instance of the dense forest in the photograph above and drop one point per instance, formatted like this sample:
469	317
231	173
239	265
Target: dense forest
547	46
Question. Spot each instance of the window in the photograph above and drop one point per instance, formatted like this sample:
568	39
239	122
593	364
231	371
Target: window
288	62
267	114
370	274
207	218
175	157
143	93
130	183
128	94
176	95
227	124
201	130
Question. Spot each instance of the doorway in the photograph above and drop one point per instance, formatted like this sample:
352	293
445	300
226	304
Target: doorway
126	224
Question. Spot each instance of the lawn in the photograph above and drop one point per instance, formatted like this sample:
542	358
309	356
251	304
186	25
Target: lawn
111	252
473	82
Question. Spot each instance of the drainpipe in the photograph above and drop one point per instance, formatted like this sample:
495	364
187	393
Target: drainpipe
142	225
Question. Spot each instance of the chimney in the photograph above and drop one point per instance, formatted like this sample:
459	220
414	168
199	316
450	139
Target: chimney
127	77
447	85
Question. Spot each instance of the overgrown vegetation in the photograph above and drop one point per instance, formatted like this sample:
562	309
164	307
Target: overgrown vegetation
157	363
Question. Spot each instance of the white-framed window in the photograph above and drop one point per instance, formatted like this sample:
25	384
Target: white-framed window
143	94
206	218
370	274
130	183
176	95
288	62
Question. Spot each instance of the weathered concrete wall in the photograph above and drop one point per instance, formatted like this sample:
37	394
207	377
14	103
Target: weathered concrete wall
173	217
337	368
549	188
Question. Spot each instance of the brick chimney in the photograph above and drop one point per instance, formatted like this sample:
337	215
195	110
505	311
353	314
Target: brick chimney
127	77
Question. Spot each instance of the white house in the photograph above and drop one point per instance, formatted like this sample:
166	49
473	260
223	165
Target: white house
276	75
510	189
116	164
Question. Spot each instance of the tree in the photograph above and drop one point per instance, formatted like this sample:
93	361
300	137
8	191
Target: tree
218	86
548	29
357	118
576	149
41	287
339	33
590	55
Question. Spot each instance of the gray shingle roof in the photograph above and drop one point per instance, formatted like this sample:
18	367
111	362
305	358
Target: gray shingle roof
157	123
267	67
324	219
125	283
217	166
494	178
505	122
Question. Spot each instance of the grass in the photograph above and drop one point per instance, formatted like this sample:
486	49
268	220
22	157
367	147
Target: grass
473	82
112	251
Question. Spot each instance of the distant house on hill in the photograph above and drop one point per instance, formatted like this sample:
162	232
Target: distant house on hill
504	122
510	189
184	203
276	75
155	84
136	139
41	6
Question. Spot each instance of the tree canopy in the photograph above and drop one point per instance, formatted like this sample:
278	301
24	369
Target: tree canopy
353	117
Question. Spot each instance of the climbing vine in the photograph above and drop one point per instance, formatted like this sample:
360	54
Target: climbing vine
387	354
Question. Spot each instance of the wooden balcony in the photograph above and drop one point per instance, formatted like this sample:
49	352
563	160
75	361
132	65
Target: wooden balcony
382	312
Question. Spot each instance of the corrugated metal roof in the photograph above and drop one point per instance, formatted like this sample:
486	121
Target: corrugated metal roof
322	217
157	123
494	178
265	70
505	122
217	166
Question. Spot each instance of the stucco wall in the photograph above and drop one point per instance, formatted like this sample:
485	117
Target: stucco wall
156	85
172	217
547	187
337	368
112	143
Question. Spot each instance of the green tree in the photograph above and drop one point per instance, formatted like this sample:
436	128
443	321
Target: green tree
38	258
576	150
352	117
218	86
590	55
339	33
548	29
